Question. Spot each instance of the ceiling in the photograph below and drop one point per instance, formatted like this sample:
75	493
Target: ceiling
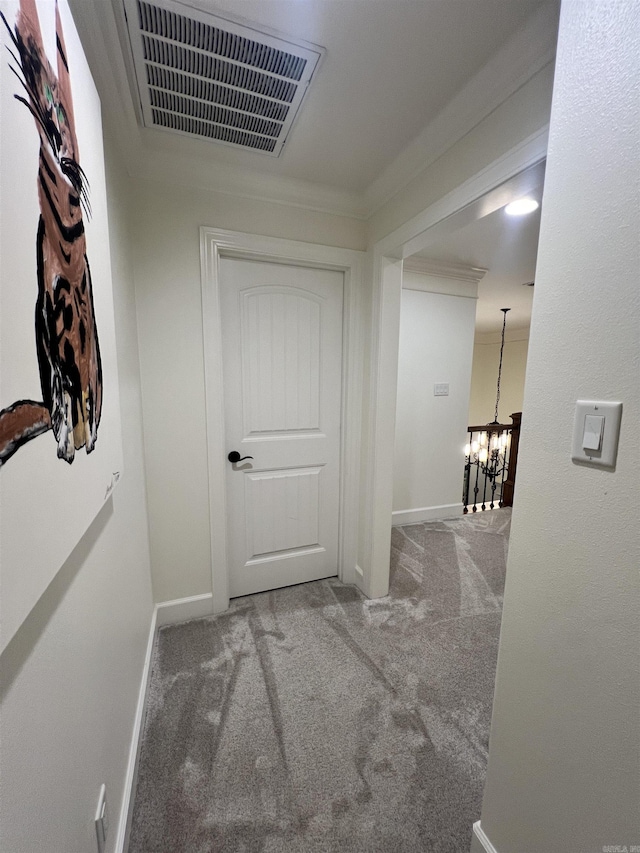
389	69
507	247
397	79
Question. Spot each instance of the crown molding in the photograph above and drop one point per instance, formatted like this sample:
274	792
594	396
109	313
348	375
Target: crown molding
526	53
174	168
443	286
444	269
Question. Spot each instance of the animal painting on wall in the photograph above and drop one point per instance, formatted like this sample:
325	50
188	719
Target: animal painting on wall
58	361
66	336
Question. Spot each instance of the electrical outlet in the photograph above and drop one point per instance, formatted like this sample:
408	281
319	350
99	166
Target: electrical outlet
102	822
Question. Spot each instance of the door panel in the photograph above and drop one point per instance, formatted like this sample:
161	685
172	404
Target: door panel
282	511
281	360
282	352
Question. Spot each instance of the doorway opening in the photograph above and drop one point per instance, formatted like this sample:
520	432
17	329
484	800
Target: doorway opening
460	387
513	176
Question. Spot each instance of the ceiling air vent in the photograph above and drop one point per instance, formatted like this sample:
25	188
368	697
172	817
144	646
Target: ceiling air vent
202	75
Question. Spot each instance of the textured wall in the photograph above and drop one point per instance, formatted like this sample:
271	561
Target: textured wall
70	677
564	767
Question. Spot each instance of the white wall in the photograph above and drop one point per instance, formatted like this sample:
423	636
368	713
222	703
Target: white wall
484	376
70	677
436	343
564	766
168	292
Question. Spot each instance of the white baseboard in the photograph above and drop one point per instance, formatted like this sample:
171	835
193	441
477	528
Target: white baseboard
183	609
132	763
426	513
480	842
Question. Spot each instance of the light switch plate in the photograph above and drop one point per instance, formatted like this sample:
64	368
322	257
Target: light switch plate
441	389
612	414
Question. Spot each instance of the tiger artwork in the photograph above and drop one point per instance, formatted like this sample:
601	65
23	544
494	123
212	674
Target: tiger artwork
66	335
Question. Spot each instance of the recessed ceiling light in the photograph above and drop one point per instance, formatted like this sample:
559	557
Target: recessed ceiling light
521	206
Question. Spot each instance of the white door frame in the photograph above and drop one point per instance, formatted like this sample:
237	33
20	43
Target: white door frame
215	244
510	176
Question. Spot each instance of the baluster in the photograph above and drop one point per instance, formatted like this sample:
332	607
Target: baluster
465	485
484	485
476	488
467	477
504	465
493	470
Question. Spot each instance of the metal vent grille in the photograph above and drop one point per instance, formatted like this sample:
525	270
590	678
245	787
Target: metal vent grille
201	75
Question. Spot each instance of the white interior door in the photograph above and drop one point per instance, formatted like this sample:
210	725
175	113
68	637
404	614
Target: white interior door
282	365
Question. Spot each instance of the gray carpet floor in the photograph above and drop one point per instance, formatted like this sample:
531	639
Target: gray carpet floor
310	719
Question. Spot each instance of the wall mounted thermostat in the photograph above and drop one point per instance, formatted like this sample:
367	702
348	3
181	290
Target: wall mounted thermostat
596	429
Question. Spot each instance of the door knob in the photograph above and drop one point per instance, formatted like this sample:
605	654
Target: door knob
234	457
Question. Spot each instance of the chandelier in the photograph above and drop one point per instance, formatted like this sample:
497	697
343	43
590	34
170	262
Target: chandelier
488	452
